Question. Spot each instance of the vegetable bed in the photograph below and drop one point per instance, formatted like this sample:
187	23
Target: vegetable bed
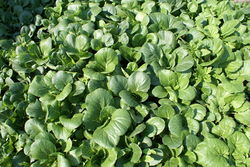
125	83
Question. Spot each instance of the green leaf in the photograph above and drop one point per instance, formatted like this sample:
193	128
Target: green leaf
193	125
167	39
225	128
159	92
212	153
165	111
46	46
138	129
41	149
108	136
107	39
160	19
153	156
242	117
199	111
191	141
111	159
38	86
187	94
240	142
61	79
35	110
128	98
177	125
33	127
71	123
95	103
117	83
168	78
76	43
184	64
82	43
62	161
59	131
79	88
229	27
96	44
139	82
65	92
193	6
137	153
151	52
172	141
159	123
107	59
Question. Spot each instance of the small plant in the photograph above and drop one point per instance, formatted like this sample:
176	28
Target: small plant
125	83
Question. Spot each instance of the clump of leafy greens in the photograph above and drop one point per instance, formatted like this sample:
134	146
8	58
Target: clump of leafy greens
94	83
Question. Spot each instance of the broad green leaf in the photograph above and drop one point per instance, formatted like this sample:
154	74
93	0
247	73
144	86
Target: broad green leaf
79	88
46	46
184	64
159	123
184	80
62	161
168	78
199	111
160	19
59	131
61	79
242	117
177	125
165	111
82	43
193	125
167	39
159	92
153	156
76	43
38	86
65	92
96	44
108	136
150	131
41	149
233	87
192	6
191	141
95	103
33	127
128	98
240	142
111	159
151	52
173	162
225	128
117	83
138	129
212	153
137	153
71	123
124	83
107	39
107	59
187	94
190	157
89	73
229	27
35	110
95	84
139	82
